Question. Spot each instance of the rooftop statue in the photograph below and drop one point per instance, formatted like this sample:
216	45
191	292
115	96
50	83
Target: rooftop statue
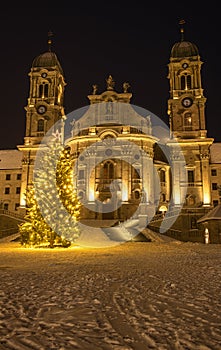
126	87
94	89
110	83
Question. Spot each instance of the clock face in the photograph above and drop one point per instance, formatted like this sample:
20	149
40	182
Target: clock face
185	65
41	109
44	75
187	102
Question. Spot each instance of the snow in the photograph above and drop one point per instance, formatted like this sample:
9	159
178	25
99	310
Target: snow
134	295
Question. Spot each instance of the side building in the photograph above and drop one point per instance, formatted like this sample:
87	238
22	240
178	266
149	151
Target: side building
10	179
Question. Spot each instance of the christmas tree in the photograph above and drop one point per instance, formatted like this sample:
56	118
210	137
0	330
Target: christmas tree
53	208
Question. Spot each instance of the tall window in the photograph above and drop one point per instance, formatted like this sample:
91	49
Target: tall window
162	175
214	186
213	172
108	170
7	190
8	177
182	82
43	90
40	125
190	175
186	82
40	94
46	90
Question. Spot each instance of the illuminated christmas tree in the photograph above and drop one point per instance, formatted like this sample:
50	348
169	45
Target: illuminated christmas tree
34	231
53	208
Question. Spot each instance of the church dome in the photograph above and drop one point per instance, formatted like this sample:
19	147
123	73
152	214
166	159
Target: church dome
184	49
46	60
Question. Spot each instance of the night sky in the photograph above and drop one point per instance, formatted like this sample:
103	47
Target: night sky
132	45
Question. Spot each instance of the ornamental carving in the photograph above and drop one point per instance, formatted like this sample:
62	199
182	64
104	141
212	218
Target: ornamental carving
204	155
175	156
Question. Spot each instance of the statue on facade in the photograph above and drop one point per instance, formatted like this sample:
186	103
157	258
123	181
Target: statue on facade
126	86
110	83
94	89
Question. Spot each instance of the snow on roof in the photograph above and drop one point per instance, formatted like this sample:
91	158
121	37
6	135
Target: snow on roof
213	214
215	151
10	159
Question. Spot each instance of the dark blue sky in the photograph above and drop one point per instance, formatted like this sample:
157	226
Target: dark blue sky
132	45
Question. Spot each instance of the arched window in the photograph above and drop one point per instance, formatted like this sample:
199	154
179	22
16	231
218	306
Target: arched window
137	194
182	82
40	125
43	90
108	170
186	82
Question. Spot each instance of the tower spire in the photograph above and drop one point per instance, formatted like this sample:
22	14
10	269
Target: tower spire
50	34
181	23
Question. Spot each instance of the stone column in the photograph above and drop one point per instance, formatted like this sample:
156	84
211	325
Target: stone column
179	177
204	156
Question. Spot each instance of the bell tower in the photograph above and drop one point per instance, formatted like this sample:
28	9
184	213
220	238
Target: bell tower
186	110
44	108
46	95
186	105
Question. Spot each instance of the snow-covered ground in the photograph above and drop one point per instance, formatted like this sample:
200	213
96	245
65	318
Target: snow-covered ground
157	295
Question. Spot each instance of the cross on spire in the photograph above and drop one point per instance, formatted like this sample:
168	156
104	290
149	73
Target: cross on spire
50	34
181	23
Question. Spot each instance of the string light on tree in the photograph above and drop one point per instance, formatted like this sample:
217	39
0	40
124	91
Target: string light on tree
56	195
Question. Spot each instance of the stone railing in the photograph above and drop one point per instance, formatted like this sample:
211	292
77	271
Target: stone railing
11	214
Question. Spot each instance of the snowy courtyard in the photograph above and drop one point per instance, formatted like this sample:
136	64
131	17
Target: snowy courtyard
140	295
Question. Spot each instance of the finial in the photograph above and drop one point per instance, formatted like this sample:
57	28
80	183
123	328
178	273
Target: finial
50	34
110	83
181	23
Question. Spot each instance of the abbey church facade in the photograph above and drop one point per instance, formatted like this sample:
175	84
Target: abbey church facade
124	169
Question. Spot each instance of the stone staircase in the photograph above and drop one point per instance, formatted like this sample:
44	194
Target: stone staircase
9	222
129	231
